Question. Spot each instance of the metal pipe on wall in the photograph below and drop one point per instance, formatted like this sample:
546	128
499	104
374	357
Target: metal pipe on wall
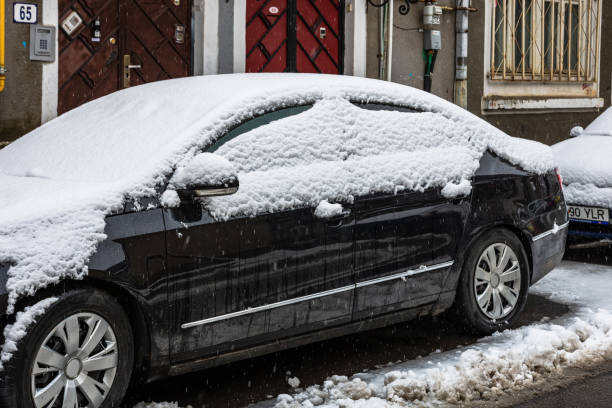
2	45
390	6
461	52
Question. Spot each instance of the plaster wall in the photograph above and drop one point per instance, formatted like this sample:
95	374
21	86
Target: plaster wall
20	102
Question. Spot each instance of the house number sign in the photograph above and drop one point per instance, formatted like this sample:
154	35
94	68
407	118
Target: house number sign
25	13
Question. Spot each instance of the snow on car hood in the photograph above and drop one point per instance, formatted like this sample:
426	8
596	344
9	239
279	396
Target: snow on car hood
584	163
58	182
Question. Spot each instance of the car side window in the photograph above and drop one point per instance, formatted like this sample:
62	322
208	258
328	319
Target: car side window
257	122
385	107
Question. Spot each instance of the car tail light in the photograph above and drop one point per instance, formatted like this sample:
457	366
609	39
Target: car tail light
559	178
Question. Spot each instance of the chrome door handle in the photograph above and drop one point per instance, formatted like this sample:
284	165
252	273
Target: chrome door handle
127	67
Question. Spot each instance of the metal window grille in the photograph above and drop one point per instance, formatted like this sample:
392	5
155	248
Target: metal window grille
545	40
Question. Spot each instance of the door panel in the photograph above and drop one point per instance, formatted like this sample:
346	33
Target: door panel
150	39
294	36
247	266
266	36
88	69
143	29
394	236
318	34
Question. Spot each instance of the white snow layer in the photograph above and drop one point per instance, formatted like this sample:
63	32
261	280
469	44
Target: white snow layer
602	126
13	333
325	209
585	165
203	169
59	182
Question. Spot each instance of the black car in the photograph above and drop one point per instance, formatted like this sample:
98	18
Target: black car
187	279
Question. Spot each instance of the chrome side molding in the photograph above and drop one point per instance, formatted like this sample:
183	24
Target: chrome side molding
402	275
550	232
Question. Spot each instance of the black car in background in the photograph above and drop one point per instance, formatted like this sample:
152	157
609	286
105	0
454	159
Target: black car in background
174	289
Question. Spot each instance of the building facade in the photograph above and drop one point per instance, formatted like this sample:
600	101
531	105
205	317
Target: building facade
534	68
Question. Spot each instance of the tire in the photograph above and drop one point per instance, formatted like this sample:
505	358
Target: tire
88	308
487	318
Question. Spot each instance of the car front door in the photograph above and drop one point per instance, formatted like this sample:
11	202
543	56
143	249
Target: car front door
248	280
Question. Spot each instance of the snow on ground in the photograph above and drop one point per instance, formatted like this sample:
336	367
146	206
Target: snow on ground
493	366
58	182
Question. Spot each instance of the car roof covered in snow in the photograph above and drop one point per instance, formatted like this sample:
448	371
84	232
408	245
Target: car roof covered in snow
602	126
144	127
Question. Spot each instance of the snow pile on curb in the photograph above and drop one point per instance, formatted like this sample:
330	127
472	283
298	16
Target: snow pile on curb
13	333
158	405
496	365
59	182
526	356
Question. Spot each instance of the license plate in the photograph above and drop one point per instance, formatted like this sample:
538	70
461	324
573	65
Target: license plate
593	215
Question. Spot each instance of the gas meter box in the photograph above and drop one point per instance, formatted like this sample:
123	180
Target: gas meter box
42	43
432	40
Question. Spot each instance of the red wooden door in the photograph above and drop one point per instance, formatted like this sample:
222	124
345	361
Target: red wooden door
87	68
153	39
294	36
143	29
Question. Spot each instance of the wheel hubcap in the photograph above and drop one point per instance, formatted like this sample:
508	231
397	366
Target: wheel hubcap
73	368
75	365
497	281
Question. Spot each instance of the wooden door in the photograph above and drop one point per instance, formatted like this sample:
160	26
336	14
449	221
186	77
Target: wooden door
146	30
153	39
88	69
295	36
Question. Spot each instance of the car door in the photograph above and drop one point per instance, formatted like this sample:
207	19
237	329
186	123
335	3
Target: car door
248	280
404	246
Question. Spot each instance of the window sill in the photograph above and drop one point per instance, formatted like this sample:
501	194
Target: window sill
538	105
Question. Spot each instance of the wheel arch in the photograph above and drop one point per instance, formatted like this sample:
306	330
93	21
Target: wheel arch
464	252
127	300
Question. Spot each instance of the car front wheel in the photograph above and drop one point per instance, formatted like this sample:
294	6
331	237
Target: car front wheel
494	282
78	354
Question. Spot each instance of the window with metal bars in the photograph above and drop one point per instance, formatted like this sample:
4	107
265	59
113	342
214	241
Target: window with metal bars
545	40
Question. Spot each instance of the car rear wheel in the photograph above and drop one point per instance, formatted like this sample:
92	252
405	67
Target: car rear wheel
78	354
494	282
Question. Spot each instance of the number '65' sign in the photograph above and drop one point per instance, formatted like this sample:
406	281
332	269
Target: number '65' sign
25	13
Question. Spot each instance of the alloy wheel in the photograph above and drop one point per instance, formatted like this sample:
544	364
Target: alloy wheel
75	365
497	281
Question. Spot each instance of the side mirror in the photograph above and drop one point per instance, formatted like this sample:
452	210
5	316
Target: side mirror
576	131
205	175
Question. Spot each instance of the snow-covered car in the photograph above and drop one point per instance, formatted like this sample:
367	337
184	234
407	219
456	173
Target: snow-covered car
586	168
188	223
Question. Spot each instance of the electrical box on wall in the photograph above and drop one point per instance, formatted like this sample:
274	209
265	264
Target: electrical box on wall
42	43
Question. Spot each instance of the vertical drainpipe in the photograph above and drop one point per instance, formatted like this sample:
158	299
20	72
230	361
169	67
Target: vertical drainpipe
385	41
461	53
382	41
2	42
390	6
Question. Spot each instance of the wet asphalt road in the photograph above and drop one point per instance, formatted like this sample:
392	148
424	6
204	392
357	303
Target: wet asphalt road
238	384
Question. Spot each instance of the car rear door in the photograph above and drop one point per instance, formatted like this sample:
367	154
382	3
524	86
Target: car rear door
405	245
393	258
